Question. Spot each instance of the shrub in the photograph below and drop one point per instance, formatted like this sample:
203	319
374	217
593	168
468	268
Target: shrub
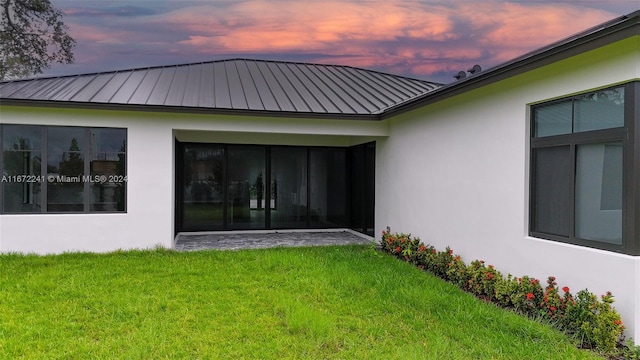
482	279
595	323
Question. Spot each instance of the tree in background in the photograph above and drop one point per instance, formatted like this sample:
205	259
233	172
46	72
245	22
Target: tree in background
32	36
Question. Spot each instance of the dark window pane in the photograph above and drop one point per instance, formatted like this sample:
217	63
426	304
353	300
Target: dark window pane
552	190
65	196
69	153
370	188
108	140
553	119
21	137
611	189
362	163
22	188
203	188
288	187
61	138
599	192
108	182
246	187
107	164
65	187
66	163
327	181
599	110
358	191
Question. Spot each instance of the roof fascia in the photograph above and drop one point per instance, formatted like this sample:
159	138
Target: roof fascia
604	34
187	110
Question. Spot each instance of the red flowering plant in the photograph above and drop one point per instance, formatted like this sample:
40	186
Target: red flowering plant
439	261
505	289
394	243
412	249
457	272
483	279
528	295
553	305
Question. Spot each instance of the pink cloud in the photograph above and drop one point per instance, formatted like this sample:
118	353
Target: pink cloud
420	38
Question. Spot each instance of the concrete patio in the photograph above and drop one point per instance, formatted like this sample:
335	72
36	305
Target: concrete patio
236	240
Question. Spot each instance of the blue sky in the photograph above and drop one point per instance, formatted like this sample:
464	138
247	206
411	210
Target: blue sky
428	39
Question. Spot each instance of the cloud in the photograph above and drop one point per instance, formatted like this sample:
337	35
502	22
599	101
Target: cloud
416	38
120	11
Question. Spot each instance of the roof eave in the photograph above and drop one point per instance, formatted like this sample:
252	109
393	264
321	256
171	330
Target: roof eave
186	110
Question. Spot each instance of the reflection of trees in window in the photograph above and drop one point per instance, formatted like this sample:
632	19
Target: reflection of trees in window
63	154
609	96
22	159
204	173
72	163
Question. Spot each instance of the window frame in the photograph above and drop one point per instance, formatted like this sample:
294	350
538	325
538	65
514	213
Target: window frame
629	136
44	159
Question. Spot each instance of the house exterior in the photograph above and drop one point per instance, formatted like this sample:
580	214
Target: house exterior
533	165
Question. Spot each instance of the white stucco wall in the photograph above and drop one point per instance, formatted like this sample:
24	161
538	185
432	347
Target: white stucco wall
149	219
455	173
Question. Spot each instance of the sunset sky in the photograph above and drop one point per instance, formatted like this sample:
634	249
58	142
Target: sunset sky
428	39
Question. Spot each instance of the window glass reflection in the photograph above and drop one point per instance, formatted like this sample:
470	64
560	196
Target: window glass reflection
246	187
599	110
599	192
288	187
203	192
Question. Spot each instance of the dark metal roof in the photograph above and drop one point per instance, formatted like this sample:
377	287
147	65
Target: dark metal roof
233	85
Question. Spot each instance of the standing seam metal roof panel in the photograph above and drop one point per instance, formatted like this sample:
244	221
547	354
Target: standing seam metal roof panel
143	90
288	82
236	89
159	93
72	87
178	86
89	91
316	100
249	86
109	89
383	87
13	89
50	90
207	92
223	96
383	99
266	95
192	89
280	96
353	90
128	88
331	92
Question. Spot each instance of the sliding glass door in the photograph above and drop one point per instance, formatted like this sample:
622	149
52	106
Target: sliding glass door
202	187
234	187
246	187
288	187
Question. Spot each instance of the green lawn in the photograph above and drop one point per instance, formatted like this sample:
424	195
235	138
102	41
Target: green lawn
305	303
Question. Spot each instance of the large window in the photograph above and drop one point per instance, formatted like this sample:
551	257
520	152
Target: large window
578	185
62	169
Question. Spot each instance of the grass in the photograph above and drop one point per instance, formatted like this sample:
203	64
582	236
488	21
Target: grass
325	302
